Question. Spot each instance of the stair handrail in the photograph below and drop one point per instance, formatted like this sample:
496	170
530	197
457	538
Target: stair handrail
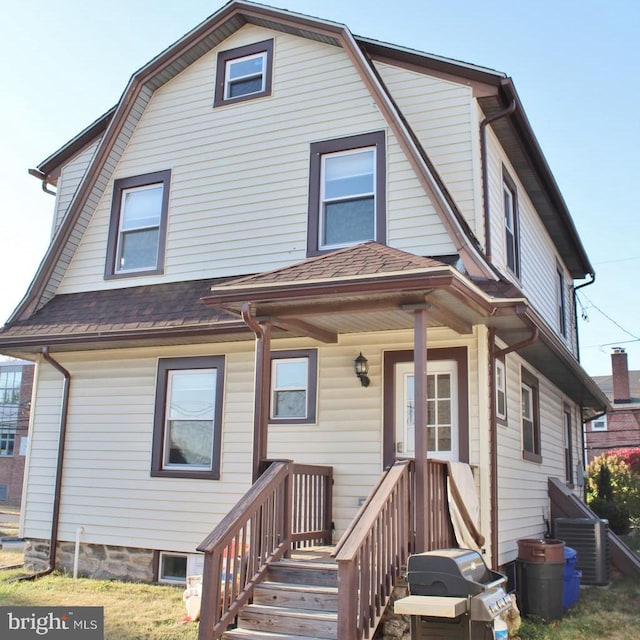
237	552
372	552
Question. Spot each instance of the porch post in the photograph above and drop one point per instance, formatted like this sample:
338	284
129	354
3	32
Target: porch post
420	397
262	388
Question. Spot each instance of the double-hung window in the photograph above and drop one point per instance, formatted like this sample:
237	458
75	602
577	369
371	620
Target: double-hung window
138	224
293	387
530	418
501	390
188	417
244	73
561	301
347	192
511	224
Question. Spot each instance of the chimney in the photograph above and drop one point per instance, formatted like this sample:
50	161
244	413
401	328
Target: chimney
620	370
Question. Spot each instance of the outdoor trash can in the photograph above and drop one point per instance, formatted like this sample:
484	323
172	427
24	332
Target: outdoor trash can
571	583
540	577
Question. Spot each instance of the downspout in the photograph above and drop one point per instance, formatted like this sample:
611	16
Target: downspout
493	429
485	173
261	390
575	309
64	413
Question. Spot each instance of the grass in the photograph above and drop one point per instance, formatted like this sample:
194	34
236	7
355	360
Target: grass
132	611
602	613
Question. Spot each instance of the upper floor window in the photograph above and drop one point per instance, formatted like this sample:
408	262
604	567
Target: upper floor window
244	73
530	418
347	192
511	224
561	301
599	424
7	441
188	417
137	229
293	386
501	390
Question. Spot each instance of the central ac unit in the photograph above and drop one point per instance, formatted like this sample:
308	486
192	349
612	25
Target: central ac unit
589	538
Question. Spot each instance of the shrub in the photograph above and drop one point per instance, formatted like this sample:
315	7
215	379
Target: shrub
613	490
630	456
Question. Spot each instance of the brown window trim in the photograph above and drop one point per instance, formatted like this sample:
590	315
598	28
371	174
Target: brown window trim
504	421
158	177
312	385
318	149
511	185
266	46
561	295
390	359
531	381
178	364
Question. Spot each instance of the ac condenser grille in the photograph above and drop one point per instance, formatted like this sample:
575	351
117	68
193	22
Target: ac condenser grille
589	538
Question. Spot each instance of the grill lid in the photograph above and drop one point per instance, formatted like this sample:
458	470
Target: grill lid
450	572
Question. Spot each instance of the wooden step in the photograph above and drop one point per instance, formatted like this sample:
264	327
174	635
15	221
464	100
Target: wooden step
296	596
315	624
309	573
252	634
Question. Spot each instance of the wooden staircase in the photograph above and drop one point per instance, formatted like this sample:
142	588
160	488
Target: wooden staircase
297	601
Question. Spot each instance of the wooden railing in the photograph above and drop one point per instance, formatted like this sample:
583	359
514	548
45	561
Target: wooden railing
374	550
275	514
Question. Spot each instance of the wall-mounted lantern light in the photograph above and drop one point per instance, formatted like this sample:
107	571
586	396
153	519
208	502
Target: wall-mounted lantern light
362	369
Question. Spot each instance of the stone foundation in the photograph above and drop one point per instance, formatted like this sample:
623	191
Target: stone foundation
396	626
95	560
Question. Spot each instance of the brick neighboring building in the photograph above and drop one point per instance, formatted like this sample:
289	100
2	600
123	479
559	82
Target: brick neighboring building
619	428
16	381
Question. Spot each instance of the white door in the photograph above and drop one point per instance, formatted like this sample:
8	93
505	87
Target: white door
442	409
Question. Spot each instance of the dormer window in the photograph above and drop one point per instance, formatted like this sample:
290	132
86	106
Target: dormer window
244	73
347	192
138	224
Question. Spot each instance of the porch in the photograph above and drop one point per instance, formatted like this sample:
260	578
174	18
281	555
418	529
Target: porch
271	570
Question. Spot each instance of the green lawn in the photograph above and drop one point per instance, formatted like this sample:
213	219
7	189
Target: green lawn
602	613
132	611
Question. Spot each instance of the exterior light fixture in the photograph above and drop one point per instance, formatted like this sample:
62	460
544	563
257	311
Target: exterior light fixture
362	368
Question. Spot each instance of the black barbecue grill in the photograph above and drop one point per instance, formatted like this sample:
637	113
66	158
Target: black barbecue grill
453	594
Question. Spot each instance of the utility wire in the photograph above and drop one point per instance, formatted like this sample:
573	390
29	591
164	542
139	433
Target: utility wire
608	317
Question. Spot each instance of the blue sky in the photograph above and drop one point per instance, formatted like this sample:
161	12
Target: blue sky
574	64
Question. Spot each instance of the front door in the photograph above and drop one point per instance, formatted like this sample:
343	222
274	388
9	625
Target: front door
442	409
447	404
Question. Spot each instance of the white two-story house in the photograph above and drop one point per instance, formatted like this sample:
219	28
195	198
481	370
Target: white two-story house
289	243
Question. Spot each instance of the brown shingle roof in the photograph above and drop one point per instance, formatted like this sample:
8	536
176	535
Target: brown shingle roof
367	259
150	307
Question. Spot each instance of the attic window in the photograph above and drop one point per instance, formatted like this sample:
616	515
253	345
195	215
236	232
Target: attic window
244	73
138	225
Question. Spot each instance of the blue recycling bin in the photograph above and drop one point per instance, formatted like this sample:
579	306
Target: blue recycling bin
571	584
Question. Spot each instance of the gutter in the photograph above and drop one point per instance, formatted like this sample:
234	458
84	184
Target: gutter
575	309
485	173
45	180
64	413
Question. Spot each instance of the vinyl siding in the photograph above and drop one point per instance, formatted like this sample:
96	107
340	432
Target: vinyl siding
239	185
522	485
70	177
538	255
107	488
441	113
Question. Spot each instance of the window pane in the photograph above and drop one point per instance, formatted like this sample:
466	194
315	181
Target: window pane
141	208
190	442
444	386
444	439
349	174
527	412
245	87
290	404
174	568
528	436
291	374
444	412
190	411
502	409
431	438
192	395
245	67
351	221
139	249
